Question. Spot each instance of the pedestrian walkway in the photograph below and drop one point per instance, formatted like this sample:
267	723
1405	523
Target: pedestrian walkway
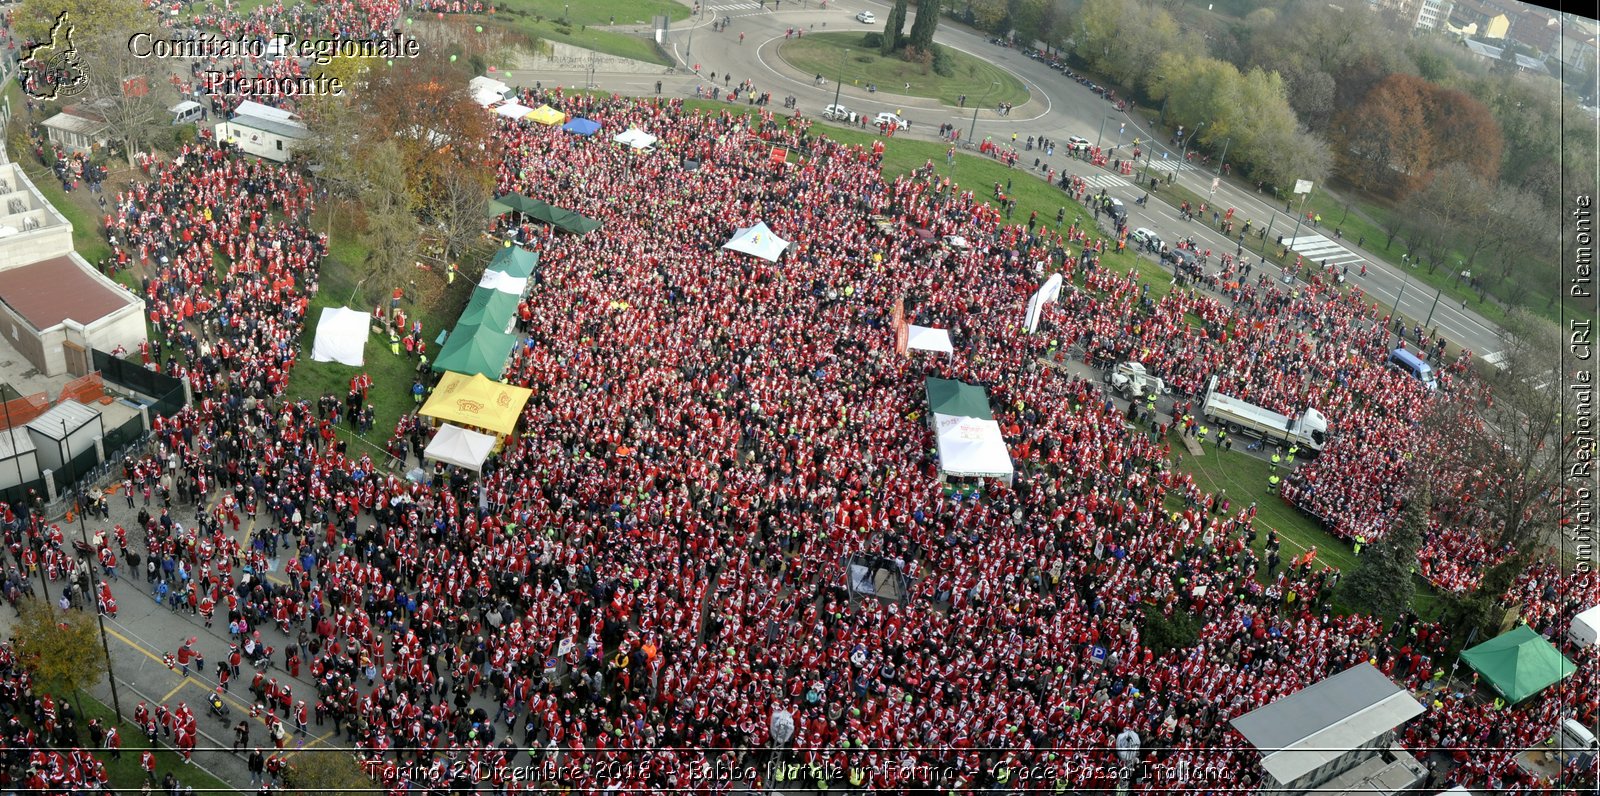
1321	248
1159	164
1104	181
726	9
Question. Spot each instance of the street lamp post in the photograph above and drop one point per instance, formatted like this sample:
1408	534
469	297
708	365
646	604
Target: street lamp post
1224	159
1184	152
973	130
94	578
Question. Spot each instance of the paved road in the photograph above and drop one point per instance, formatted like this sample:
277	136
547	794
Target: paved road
1058	107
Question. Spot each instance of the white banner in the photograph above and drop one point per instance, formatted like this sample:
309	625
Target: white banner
1302	186
1048	292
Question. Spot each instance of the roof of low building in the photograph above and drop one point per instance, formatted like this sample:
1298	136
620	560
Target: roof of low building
50	291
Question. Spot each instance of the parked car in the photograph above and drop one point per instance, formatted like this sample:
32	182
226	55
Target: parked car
839	113
889	118
1146	239
1118	211
866	18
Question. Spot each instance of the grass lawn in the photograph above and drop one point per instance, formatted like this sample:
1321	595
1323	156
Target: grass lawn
86	238
589	22
1245	479
391	375
126	776
830	54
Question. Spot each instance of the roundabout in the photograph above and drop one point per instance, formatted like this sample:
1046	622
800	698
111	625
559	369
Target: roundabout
845	57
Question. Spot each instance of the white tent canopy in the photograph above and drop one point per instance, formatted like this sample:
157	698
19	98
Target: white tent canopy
460	447
636	138
757	241
1585	630
503	282
1048	292
514	110
926	338
971	446
341	337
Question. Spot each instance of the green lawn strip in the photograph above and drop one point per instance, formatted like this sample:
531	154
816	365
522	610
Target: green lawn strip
1245	479
834	54
588	24
86	237
126	775
391	375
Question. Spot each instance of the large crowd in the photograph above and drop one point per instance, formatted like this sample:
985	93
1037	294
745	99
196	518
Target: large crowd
656	560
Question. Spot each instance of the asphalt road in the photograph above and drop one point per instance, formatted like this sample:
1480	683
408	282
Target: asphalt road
1058	107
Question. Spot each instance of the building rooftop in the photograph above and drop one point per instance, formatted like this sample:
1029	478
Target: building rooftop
50	291
1300	732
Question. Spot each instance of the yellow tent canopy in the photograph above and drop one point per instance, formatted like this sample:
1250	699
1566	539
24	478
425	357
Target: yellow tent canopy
477	401
544	114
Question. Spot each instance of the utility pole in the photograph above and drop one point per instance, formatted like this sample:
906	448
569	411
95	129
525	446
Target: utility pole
1224	159
1429	321
94	574
1183	153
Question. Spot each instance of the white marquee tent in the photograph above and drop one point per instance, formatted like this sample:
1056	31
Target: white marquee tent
341	337
757	241
503	282
972	446
460	447
924	338
514	110
636	138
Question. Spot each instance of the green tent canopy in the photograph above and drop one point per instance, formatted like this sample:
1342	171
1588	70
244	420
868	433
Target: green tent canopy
946	397
490	309
558	217
476	349
1519	664
496	209
514	260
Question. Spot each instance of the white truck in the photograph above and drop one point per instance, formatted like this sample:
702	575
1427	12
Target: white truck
1132	381
1310	431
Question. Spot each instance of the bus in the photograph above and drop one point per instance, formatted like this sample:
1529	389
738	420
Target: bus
1410	363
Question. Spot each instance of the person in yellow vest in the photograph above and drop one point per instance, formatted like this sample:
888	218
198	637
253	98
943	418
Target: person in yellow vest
1272	484
1293	449
450	274
1360	540
1205	431
1276	460
394	342
858	776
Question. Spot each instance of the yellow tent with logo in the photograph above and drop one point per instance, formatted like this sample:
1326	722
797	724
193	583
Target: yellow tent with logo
477	401
544	114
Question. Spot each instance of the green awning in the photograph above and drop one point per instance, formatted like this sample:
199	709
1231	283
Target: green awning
476	349
558	217
491	309
1519	664
514	260
946	397
495	208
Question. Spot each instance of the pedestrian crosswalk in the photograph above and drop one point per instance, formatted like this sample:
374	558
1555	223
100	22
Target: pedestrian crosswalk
735	7
1320	248
1104	181
1170	165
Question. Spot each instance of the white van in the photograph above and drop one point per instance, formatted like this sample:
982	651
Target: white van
187	112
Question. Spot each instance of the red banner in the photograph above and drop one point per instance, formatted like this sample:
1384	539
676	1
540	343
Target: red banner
779	156
897	321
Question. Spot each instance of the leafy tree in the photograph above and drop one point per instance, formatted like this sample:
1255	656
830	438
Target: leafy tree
1382	585
61	648
126	91
1463	131
92	20
1162	634
989	15
1384	142
391	234
318	772
923	27
894	27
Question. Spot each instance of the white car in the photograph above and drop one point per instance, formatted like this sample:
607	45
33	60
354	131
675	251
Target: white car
889	118
1146	238
866	18
1077	142
839	113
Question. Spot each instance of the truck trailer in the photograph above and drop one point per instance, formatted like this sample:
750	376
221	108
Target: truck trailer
1309	431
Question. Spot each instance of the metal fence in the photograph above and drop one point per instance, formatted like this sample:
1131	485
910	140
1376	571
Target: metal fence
163	394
